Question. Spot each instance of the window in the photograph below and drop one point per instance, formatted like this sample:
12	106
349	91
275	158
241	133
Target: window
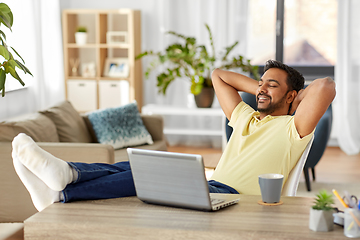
262	22
300	33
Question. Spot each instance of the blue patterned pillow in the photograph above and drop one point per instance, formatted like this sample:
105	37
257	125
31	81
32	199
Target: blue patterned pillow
120	127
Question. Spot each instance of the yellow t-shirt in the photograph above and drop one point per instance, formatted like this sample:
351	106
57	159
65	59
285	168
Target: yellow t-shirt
271	145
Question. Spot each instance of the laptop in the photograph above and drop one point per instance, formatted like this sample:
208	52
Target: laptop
174	179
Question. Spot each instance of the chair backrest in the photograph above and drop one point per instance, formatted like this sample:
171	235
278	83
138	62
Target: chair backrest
292	183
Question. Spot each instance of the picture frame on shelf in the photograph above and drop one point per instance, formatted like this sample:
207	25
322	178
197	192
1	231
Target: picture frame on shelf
116	67
88	69
113	37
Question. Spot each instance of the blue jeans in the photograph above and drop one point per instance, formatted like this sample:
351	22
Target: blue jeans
103	181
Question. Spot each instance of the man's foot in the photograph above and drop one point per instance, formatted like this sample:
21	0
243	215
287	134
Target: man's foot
54	172
41	195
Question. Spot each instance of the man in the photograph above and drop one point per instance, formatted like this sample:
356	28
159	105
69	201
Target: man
268	141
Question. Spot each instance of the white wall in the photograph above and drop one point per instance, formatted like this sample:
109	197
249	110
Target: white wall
17	103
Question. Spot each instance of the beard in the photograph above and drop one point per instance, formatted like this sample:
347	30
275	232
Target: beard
272	107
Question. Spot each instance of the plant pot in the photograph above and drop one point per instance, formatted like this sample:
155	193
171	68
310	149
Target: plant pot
321	220
80	38
205	98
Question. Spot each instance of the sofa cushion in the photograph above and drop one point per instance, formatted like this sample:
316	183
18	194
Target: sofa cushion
69	124
120	126
89	128
39	127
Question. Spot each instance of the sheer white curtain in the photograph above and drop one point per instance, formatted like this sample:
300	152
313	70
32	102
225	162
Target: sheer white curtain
347	77
49	87
228	23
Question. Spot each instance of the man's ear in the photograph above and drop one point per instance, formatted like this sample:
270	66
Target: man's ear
291	95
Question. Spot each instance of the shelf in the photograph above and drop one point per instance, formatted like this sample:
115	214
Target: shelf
80	78
193	132
74	45
174	110
113	79
168	110
115	45
91	59
101	45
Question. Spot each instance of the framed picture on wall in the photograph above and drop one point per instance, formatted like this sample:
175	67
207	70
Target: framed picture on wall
116	67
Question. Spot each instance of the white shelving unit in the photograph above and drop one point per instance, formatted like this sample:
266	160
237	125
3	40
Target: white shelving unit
183	111
98	89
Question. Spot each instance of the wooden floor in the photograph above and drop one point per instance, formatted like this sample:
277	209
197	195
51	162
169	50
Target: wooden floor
334	166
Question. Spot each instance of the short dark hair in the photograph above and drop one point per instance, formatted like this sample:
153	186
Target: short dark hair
295	80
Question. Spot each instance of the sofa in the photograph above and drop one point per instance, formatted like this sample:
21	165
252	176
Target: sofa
68	135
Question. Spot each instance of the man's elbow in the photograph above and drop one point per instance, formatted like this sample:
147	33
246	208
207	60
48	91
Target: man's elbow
328	87
215	76
330	84
215	73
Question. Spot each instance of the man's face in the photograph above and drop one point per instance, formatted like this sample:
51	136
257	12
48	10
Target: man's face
272	92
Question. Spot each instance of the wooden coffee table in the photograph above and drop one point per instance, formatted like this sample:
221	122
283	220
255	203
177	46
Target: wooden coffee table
129	218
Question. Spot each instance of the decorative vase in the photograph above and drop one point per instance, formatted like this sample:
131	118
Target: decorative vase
205	98
321	220
80	38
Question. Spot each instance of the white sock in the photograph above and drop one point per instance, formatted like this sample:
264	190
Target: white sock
41	195
54	172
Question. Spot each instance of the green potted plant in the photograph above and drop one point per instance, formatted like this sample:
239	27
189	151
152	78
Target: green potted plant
193	61
9	63
81	35
321	213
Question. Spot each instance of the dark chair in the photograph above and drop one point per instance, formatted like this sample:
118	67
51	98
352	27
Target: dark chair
321	138
250	100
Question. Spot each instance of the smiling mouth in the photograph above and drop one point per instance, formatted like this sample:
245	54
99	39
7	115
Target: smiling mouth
263	98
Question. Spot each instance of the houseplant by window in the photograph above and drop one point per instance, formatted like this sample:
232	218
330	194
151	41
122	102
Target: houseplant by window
321	213
193	61
81	35
8	63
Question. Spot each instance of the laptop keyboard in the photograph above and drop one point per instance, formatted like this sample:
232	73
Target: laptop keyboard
216	201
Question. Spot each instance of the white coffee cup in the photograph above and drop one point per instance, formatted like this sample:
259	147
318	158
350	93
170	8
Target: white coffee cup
271	186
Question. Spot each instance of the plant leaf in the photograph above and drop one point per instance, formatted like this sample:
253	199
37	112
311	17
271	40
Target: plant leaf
11	69
6	15
144	54
4	52
18	55
22	66
3	34
6	19
228	50
2	81
4	43
4	8
211	40
176	34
